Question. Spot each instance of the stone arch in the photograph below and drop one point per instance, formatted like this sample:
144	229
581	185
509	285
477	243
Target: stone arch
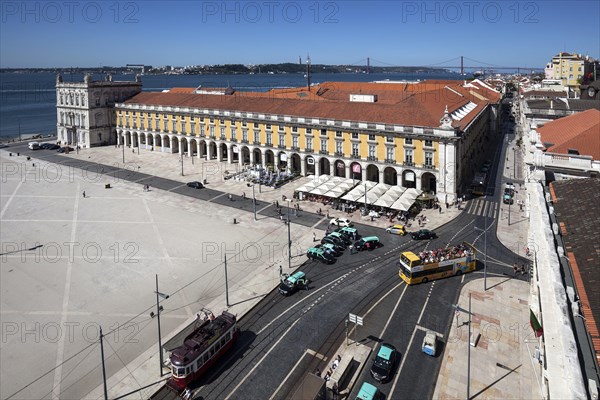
257	156
428	182
409	179
295	163
372	172
213	150
390	176
339	168
356	171
282	160
245	155
222	149
269	158
309	165
325	166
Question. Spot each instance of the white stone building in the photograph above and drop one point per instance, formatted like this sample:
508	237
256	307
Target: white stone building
85	110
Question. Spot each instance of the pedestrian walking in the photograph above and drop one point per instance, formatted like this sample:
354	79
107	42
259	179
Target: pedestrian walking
230	197
447	205
83	194
440	209
523	269
327	214
515	269
314	237
277	203
244	195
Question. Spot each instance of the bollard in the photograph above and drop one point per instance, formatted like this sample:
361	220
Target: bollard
234	221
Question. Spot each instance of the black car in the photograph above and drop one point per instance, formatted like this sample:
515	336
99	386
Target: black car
333	240
319	254
367	243
65	149
332	249
53	147
423	234
45	146
384	362
195	185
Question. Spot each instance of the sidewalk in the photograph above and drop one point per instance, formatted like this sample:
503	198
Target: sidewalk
168	166
502	363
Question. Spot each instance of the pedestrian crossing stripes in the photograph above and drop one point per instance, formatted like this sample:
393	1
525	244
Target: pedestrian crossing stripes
483	207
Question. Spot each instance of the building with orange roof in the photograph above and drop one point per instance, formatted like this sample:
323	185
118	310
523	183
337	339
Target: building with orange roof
569	146
426	135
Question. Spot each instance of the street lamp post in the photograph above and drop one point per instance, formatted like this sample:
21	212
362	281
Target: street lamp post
254	201
460	309
289	236
158	310
485	250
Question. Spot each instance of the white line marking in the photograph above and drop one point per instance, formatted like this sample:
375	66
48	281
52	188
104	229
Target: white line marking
262	359
264	208
216	197
13	195
422	328
412	337
65	305
308	351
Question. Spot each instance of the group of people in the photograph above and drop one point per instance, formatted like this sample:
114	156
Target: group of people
441	254
519	269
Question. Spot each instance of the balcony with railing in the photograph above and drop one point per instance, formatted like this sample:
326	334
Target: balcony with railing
390	161
408	164
324	152
371	158
308	150
339	153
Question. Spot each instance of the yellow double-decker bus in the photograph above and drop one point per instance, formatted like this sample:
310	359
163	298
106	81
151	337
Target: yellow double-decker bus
435	264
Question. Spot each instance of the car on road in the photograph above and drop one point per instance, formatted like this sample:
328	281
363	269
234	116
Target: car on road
423	234
320	254
65	149
291	284
33	146
507	198
343	237
195	185
429	345
396	229
3	146
332	249
367	243
384	362
333	240
510	187
368	392
349	231
340	222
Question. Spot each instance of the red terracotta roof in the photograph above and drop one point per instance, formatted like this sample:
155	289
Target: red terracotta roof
579	131
421	104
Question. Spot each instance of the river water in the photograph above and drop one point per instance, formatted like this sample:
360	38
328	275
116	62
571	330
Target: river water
28	100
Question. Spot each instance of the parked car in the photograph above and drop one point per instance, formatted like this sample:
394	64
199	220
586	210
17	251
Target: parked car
349	231
340	222
507	199
429	345
333	240
195	185
65	149
367	243
384	362
368	392
321	255
293	283
33	146
423	234
53	147
343	237
332	249
396	229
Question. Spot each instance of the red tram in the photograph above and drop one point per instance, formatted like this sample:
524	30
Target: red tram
200	349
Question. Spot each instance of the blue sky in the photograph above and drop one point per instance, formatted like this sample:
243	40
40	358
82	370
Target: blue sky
94	33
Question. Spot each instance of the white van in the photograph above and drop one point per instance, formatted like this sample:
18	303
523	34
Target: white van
34	146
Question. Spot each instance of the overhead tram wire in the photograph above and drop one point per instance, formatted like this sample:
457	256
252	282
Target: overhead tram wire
121	326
